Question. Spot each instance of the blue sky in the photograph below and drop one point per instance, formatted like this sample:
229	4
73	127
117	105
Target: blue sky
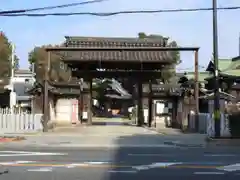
188	29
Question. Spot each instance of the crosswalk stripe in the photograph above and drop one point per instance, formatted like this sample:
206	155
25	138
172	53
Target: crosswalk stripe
40	170
16	162
230	168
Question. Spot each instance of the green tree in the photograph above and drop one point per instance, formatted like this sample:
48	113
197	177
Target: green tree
170	70
5	56
58	70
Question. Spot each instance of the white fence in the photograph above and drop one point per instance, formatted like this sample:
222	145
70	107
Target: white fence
19	122
206	124
202	122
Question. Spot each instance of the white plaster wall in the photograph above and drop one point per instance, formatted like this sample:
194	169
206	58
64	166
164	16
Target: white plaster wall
51	111
66	111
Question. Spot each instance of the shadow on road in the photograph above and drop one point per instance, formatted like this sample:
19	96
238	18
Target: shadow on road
129	161
126	160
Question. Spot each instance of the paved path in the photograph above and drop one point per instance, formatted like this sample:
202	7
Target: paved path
116	164
108	136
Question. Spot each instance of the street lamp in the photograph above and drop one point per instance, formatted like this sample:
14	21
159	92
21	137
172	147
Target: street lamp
216	73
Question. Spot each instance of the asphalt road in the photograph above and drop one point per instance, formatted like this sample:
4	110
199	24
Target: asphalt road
122	163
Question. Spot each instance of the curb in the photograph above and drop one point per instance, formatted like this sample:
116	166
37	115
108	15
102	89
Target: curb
11	138
10	145
223	141
184	145
154	130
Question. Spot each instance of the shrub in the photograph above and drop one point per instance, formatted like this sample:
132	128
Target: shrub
234	124
234	119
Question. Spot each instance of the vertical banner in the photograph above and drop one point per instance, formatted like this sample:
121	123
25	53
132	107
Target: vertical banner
74	111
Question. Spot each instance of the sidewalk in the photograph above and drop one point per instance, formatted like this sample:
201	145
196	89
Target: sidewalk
107	137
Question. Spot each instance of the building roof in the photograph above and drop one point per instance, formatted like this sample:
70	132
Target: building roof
222	65
117	55
73	84
236	86
223	95
23	71
115	96
78	41
57	88
232	69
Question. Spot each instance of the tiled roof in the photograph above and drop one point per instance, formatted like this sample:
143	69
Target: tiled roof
232	70
68	84
98	55
161	87
71	87
113	42
223	64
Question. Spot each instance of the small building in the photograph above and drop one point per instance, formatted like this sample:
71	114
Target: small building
18	86
63	101
66	103
229	76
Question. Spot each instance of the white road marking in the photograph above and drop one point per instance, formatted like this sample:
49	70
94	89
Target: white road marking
149	155
115	171
95	163
85	164
75	165
219	155
27	153
230	168
208	173
16	162
155	165
40	170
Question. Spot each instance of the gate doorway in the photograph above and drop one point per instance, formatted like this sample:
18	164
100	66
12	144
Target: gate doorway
139	61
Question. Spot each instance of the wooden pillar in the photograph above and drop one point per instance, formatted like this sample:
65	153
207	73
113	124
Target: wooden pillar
134	98
125	108
140	119
150	104
89	122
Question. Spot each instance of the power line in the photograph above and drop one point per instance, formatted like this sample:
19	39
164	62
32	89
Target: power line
49	7
120	12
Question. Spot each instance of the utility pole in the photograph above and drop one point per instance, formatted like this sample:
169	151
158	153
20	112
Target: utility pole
46	105
12	93
239	45
216	73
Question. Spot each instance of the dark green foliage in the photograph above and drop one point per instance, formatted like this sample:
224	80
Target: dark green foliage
169	71
234	124
5	56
